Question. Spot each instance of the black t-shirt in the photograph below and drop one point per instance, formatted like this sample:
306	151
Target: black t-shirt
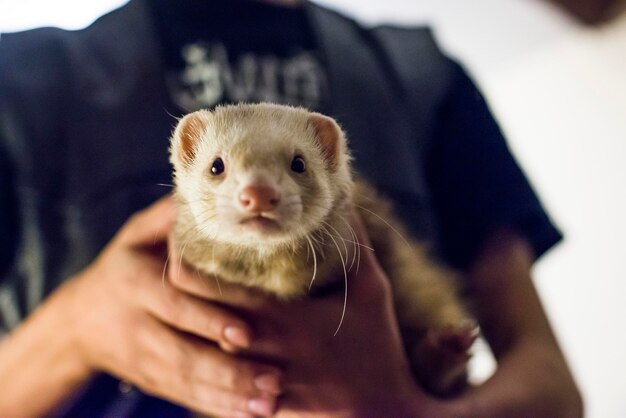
475	183
239	51
233	51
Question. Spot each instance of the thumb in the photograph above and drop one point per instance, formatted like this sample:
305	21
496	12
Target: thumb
150	225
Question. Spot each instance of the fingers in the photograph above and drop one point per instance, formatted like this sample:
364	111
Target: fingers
149	225
228	384
195	316
202	377
155	335
232	373
181	310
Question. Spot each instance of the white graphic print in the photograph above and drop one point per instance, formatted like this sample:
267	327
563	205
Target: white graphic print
209	78
201	78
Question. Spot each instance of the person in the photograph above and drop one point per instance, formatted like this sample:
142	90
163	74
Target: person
95	324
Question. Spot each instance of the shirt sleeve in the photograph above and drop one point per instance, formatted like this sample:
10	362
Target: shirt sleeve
8	239
8	211
476	184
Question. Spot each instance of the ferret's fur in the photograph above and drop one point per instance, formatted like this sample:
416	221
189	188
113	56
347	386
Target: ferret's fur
306	238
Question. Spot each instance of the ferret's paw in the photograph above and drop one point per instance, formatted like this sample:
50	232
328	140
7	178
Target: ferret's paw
453	343
439	359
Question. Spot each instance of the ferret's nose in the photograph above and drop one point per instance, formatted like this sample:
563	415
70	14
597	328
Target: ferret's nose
259	199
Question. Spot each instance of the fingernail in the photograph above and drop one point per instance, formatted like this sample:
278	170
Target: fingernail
268	382
237	336
263	407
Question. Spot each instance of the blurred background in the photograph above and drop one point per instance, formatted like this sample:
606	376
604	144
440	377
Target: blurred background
554	74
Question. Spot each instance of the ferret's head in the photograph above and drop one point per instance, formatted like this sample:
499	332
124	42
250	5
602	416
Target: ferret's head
260	174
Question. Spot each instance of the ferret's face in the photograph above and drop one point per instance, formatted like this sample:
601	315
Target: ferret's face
259	174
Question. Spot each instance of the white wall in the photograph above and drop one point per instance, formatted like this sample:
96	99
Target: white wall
18	15
559	91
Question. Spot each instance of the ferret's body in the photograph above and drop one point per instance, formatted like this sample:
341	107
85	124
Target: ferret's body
265	194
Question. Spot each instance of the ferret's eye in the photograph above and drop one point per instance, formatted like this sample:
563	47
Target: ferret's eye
218	167
298	165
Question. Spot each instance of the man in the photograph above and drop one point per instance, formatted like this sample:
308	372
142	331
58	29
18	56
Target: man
84	137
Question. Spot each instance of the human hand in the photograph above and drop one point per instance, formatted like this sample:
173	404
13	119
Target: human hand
133	321
361	371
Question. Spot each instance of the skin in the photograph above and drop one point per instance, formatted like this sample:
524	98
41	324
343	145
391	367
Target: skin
117	316
327	375
341	376
517	329
186	341
133	326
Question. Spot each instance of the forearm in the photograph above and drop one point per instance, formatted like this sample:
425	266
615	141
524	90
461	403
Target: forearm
39	367
532	378
531	381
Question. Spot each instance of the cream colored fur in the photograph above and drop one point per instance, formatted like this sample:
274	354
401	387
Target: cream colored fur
256	143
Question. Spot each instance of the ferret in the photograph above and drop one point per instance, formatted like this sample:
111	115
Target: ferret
265	192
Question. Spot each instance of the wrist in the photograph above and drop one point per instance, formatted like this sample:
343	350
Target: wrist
38	363
409	405
67	332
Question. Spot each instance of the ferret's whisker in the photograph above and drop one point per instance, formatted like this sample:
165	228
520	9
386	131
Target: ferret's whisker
355	248
217	280
343	241
182	253
314	262
201	199
308	249
386	223
167	259
345	277
319	241
358	256
358	244
193	234
367	247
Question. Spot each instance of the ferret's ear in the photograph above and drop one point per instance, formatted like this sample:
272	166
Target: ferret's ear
187	135
329	135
